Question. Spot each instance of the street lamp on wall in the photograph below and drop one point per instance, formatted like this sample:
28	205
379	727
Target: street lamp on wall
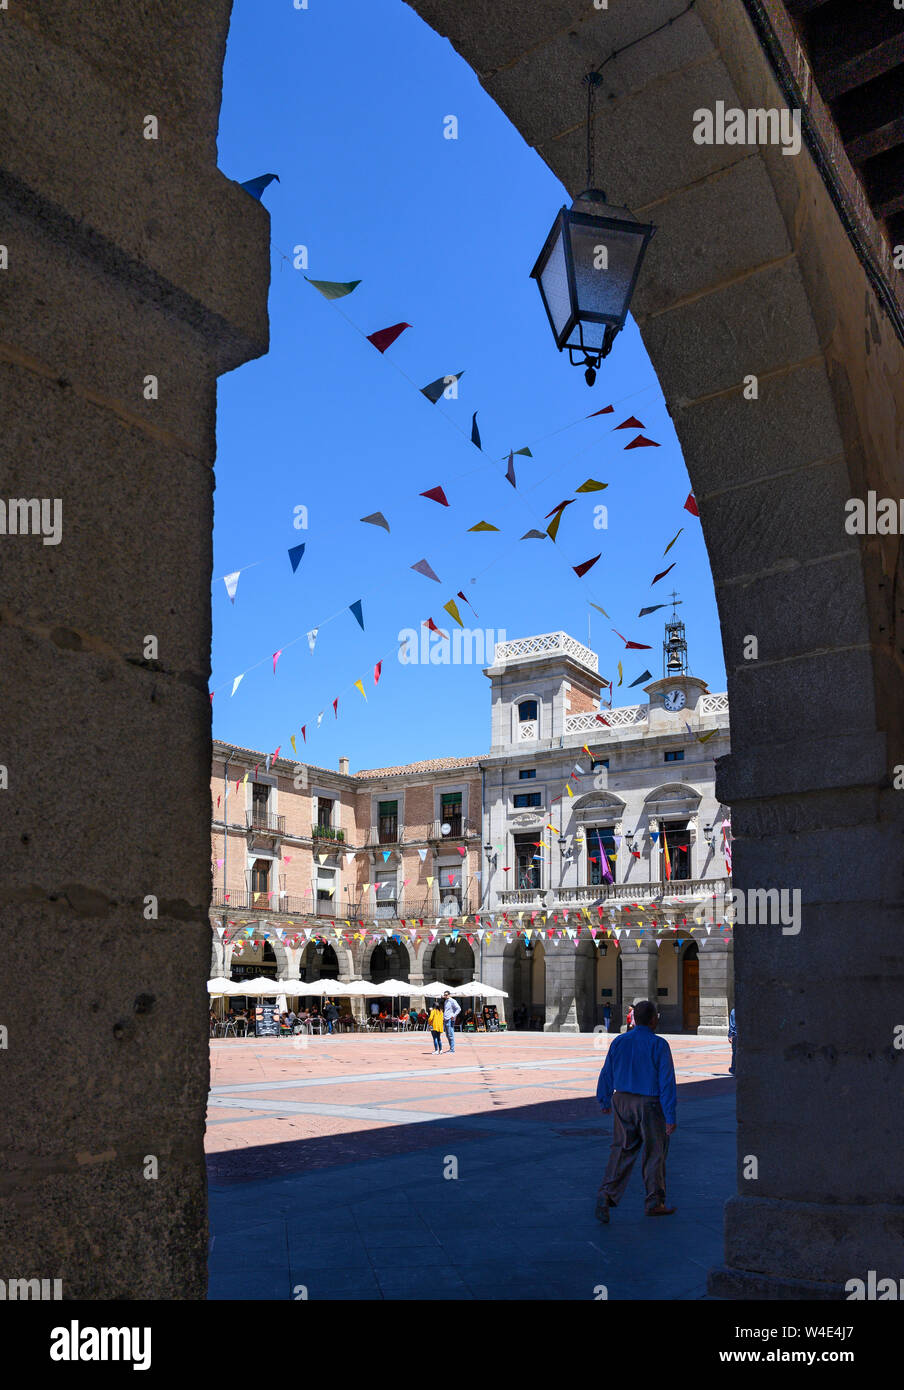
589	266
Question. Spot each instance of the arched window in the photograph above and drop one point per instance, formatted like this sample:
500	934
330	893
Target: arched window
527	711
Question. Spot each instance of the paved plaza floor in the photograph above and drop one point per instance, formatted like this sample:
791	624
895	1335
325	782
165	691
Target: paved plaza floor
365	1167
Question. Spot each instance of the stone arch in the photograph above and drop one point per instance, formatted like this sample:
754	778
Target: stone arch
453	966
382	949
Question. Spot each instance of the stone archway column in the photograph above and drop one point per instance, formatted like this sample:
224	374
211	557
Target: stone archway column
640	971
716	987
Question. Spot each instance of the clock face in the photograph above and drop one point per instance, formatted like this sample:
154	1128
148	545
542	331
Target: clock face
675	700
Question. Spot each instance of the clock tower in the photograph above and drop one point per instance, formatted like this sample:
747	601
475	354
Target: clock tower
674	699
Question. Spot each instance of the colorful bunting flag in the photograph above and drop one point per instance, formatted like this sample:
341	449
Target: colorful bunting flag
581	569
510	471
606	410
534	536
295	554
636	646
640	679
433	628
436	494
360	686
312	638
256	186
236	683
673	540
334	289
424	568
641	442
377	519
385	337
655	609
436	388
276	656
452	609
483	526
378	669
358	612
475	432
232	583
525	451
691	505
336	707
598	609
656	578
591	485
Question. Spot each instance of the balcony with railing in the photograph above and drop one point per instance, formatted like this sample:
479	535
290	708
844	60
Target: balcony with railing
264	822
459	828
328	832
387	832
279	903
588	895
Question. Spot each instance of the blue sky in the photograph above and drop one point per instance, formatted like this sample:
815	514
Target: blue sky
347	101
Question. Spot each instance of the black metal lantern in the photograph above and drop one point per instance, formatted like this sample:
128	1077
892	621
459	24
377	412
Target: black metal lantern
587	272
589	266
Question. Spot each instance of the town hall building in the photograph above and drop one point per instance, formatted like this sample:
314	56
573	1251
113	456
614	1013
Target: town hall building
581	862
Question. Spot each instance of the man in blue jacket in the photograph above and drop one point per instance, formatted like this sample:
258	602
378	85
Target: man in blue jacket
637	1082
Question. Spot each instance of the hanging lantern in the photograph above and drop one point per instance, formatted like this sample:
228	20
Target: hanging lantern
589	266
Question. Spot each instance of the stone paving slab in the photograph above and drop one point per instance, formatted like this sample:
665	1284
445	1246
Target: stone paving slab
343	1190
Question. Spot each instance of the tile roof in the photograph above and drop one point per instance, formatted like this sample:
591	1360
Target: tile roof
428	765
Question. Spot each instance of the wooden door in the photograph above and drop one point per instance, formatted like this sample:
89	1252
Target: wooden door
690	970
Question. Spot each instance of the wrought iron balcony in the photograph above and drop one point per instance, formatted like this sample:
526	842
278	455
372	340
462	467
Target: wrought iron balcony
386	833
460	828
265	823
586	895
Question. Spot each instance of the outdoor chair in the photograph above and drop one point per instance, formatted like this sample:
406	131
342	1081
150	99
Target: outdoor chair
229	1026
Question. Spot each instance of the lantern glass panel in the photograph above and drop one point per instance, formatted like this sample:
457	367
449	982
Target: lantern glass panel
554	284
605	264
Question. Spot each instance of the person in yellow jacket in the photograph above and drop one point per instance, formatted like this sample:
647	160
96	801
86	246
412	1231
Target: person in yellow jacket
435	1024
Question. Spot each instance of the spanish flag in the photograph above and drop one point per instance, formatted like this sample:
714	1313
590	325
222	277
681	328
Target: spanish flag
665	858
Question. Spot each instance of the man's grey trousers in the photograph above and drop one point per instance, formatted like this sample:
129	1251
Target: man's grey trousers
638	1122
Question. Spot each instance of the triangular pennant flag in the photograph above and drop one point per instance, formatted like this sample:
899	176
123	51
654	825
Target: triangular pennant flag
423	854
606	410
534	536
303	734
433	628
691	505
619	681
662	574
385	337
295	554
378	669
377	519
467	601
334	289
360	686
356	609
256	186
294	747
232	583
636	646
276	656
569	501
386	854
632	423
642	443
553	527
483	526
336	707
436	494
236	683
581	569
510	471
312	638
452	609
436	388
422	567
475	432
655	609
525	451
640	679
591	485
598	609
673	540
704	738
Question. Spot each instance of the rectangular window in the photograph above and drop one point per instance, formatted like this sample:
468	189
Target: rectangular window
449	878
677	837
388	822
260	876
386	896
600	841
598	763
676	756
324	812
326	892
527	799
450	811
527	862
527	772
260	803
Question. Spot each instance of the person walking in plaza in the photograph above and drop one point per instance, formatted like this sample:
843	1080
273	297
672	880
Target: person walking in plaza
607	1016
733	1039
451	1010
637	1082
331	1014
435	1024
629	1017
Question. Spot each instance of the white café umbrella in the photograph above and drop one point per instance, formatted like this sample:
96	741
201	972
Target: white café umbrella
475	988
220	985
260	985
